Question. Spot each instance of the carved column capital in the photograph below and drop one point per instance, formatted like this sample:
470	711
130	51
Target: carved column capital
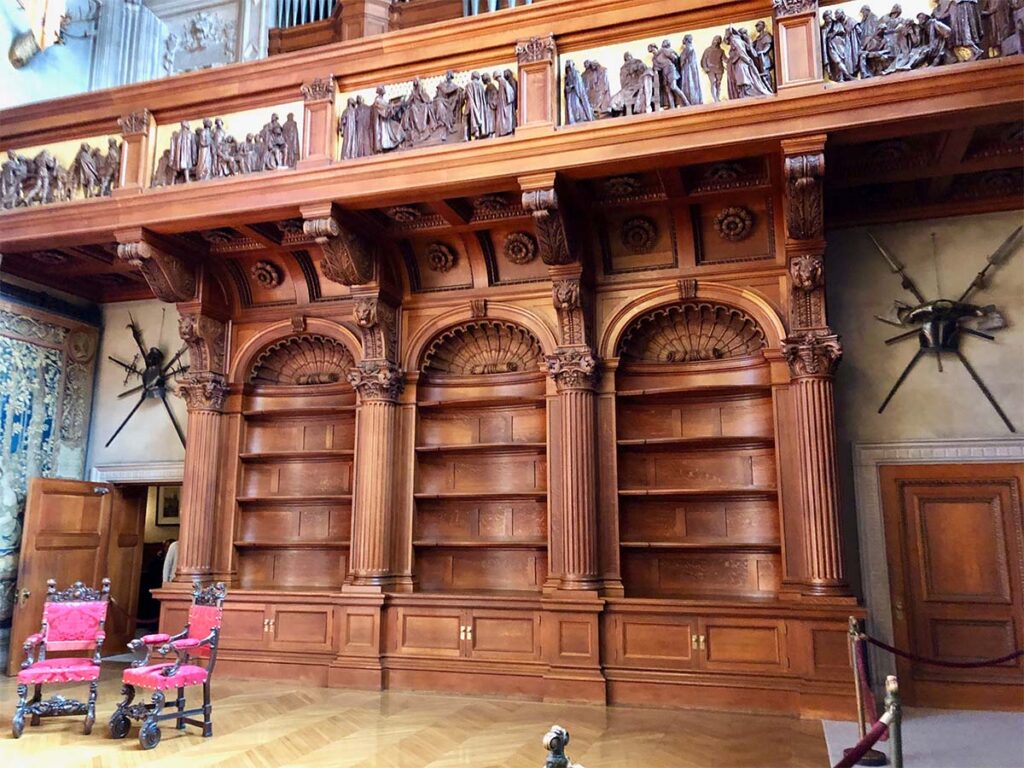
319	89
536	49
204	391
206	340
804	174
572	368
812	354
169	276
549	221
786	8
135	123
346	256
377	380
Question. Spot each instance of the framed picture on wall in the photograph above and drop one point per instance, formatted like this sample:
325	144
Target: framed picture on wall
168	505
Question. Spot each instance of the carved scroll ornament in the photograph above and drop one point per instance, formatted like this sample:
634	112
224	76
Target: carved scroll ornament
812	353
572	368
168	276
550	223
804	216
347	258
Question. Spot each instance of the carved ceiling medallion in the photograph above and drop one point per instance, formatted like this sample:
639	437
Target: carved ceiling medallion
267	274
403	214
639	234
302	360
483	347
691	332
441	257
734	223
520	247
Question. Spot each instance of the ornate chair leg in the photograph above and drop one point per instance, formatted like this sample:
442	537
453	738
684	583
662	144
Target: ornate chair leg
207	710
119	722
90	708
18	721
180	702
149	735
36	698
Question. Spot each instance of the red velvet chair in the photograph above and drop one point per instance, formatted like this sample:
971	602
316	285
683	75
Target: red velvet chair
197	642
72	621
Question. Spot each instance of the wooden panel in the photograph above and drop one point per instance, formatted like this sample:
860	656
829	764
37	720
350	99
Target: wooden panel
305	433
427	631
298	478
744	645
243	626
706	469
653	642
276	567
759	242
298	628
719	521
509	424
300	523
687	574
468	569
507	635
740	417
481	472
504	520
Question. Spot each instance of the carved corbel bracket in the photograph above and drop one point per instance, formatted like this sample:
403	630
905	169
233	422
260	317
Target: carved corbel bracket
205	337
378	324
804	174
572	368
553	238
812	354
568	293
203	391
347	257
169	276
807	276
377	380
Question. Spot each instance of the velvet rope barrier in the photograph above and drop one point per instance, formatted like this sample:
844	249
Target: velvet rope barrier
856	752
891	718
939	662
870	708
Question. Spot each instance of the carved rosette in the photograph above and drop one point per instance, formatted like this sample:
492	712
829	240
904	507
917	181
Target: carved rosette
734	223
536	49
377	380
320	89
168	276
550	223
572	368
135	123
812	355
804	213
520	247
203	391
267	274
639	234
440	257
346	257
205	337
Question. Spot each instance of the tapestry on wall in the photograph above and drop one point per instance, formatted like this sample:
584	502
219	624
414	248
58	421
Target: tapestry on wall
46	382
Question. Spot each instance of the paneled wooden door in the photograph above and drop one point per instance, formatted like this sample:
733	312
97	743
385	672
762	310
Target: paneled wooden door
79	531
954	538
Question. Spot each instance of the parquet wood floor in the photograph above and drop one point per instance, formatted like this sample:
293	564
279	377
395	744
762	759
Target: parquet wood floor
267	724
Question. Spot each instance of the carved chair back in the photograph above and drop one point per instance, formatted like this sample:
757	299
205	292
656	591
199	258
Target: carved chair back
73	617
204	619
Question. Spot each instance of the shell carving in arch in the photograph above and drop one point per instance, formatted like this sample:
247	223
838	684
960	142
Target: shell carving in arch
482	347
302	360
691	332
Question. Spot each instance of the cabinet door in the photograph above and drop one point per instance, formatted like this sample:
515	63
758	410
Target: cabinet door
504	635
433	632
744	645
301	628
653	641
243	627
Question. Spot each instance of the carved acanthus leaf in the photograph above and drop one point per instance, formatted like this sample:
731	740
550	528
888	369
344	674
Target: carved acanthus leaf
203	391
168	276
549	220
804	214
812	353
572	368
346	257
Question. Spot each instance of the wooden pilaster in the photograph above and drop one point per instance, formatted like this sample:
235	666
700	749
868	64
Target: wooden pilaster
320	136
798	42
138	130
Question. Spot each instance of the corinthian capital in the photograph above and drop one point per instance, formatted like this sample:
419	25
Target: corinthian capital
377	380
812	353
572	368
204	391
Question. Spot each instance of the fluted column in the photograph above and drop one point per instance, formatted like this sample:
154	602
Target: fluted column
813	357
204	396
379	383
573	370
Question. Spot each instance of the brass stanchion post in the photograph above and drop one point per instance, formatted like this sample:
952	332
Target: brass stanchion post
892	704
872	757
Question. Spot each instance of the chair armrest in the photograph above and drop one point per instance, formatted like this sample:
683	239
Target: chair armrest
32	642
181	649
33	639
157	639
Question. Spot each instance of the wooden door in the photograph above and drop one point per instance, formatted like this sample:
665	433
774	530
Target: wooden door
67	537
755	646
953	539
124	565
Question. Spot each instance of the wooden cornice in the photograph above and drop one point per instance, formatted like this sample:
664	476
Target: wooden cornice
673	136
459	44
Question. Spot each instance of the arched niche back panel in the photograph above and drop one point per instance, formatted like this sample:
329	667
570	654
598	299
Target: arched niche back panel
691	332
483	347
301	360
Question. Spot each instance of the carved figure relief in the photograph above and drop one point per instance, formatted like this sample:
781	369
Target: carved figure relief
305	360
483	347
807	271
484	107
734	223
210	152
203	40
691	332
42	179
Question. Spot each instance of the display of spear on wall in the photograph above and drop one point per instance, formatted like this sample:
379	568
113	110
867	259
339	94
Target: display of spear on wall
155	376
939	323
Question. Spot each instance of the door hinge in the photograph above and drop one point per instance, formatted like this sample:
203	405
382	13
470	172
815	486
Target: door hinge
100	490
